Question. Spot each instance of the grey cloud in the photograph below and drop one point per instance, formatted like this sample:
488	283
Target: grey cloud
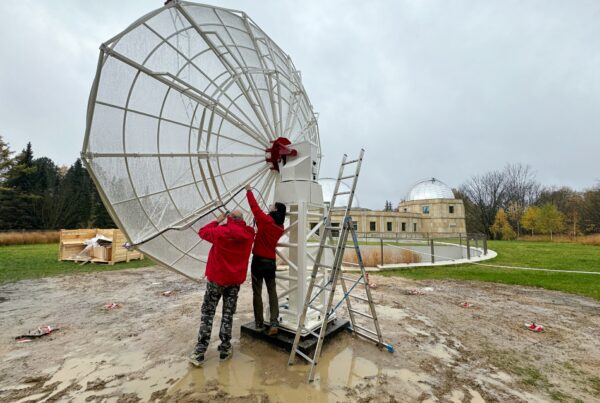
429	88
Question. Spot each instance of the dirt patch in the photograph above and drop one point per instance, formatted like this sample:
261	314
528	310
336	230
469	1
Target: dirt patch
444	352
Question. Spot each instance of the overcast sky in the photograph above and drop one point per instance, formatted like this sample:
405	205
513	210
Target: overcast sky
429	88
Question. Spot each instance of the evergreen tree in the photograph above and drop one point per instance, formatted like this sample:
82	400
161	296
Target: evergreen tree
100	216
6	160
19	176
16	209
388	206
46	183
18	201
76	191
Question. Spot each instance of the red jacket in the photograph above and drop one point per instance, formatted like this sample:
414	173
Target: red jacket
268	233
230	251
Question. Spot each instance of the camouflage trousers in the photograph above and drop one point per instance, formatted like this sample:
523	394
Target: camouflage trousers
209	306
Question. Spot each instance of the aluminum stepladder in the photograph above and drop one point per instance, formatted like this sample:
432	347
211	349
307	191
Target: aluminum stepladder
333	273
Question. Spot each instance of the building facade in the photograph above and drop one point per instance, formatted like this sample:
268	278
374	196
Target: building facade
429	208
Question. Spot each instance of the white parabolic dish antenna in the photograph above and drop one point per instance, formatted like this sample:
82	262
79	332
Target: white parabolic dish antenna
184	105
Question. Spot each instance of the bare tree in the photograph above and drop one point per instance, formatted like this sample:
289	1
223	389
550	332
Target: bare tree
487	192
521	186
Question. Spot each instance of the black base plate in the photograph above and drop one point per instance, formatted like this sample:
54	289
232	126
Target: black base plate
284	339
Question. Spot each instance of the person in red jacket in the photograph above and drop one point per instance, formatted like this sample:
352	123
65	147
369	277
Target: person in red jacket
225	270
270	229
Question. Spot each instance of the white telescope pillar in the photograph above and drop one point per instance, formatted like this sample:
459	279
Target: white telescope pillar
299	190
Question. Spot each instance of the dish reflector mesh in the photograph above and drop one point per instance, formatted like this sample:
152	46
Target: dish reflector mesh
183	106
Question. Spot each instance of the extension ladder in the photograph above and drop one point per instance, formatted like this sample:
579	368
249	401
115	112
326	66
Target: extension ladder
333	273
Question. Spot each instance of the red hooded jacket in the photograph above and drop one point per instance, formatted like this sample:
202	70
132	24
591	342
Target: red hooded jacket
268	233
230	251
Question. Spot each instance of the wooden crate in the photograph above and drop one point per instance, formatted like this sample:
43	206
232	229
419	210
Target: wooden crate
71	245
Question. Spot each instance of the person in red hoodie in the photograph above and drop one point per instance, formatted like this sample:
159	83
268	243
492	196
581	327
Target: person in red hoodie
226	269
270	229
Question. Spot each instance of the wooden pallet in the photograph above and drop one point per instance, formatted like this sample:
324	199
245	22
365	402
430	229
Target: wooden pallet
72	243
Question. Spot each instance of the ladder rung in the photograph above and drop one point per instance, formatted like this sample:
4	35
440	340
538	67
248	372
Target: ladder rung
330	246
356	280
326	266
342	193
366	330
351	162
361	313
359	297
314	308
301	354
322	288
366	336
347	177
311	332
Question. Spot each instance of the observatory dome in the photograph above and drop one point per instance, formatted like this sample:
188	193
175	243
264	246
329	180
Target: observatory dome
430	189
328	185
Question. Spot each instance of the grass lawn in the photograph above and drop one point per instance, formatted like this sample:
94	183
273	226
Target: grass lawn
18	262
545	255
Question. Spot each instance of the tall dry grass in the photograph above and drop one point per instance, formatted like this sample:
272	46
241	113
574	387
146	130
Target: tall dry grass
372	257
30	237
593	239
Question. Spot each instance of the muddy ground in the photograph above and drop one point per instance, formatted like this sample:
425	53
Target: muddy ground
443	352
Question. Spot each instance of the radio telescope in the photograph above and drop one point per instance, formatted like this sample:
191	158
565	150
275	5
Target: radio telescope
190	103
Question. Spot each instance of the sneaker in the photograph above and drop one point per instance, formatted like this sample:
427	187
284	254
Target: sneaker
272	331
225	355
196	359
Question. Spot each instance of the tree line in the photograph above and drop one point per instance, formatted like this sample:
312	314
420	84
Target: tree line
509	202
35	194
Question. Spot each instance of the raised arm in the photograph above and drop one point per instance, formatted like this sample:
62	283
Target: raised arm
259	215
210	232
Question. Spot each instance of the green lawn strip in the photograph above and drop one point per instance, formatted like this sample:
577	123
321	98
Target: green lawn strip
582	284
19	262
546	255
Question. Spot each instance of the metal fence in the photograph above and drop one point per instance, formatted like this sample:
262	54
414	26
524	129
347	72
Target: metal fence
429	247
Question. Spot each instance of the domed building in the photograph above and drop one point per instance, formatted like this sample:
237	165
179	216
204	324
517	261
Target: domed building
429	208
437	208
430	189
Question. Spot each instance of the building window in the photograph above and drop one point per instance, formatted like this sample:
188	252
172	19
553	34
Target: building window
425	209
372	226
403	227
405	209
389	226
355	225
451	209
414	227
334	232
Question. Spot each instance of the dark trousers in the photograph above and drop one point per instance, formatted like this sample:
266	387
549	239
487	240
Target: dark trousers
209	306
264	269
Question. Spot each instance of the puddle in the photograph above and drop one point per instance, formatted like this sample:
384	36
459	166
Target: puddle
456	396
104	375
258	371
475	396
